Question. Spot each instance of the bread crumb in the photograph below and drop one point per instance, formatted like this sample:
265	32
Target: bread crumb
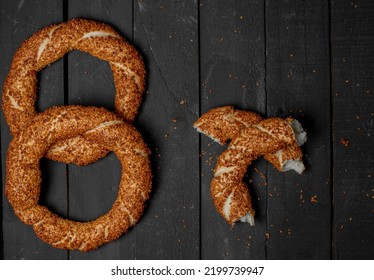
262	175
313	199
344	142
267	236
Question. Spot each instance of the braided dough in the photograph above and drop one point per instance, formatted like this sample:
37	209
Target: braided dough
23	176
48	45
276	139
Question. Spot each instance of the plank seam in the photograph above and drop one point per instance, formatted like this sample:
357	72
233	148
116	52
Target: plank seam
132	41
333	247
132	20
65	17
199	112
266	114
1	212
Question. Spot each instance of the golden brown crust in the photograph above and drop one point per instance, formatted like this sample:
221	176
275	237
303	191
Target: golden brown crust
266	137
225	123
252	137
51	43
23	176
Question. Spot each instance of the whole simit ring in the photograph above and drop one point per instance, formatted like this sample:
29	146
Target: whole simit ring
48	45
23	175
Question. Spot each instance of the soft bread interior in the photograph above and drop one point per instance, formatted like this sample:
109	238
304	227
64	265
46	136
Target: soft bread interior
248	218
206	134
296	165
300	134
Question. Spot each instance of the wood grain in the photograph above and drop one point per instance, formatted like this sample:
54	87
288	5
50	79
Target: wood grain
312	60
232	63
20	19
352	30
93	188
166	33
298	85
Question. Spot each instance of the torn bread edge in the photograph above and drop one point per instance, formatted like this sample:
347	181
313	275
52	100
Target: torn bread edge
295	164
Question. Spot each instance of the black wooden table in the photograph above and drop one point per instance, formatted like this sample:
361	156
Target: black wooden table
312	60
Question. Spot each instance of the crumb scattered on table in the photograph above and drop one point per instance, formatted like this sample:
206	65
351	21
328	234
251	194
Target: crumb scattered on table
344	142
314	199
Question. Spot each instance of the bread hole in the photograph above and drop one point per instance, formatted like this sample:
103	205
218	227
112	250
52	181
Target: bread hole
80	193
77	79
93	188
90	81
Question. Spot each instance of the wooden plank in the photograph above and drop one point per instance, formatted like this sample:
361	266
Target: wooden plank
167	35
93	188
352	26
232	63
299	207
19	19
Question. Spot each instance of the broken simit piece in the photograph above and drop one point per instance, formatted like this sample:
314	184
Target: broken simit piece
278	140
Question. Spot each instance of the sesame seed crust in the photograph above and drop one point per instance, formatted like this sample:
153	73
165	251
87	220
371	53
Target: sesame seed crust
50	44
101	127
251	137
